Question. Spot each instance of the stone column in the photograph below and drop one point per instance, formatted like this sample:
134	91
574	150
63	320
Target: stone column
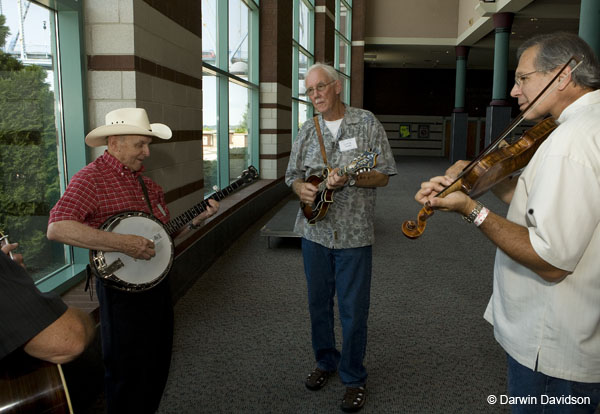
458	141
498	113
589	24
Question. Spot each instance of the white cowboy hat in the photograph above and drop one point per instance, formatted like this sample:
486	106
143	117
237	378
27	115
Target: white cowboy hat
126	121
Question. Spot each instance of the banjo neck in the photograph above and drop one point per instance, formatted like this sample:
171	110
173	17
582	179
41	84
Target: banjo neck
176	224
126	273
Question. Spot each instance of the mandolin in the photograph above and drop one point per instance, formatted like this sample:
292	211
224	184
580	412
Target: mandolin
318	209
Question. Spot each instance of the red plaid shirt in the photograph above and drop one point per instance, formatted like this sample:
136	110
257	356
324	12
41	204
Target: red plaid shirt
104	188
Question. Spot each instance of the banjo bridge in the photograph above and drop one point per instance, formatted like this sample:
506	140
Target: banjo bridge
113	267
103	268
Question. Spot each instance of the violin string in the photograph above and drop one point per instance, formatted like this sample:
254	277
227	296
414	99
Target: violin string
548	89
542	95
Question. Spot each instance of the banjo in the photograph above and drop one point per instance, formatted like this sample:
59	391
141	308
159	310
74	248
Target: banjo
126	273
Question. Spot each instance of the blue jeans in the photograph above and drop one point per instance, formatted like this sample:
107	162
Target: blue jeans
347	271
523	382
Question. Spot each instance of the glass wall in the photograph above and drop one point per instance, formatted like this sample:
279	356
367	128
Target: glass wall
32	156
230	89
302	59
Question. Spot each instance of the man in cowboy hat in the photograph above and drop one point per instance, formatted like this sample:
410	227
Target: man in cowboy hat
136	327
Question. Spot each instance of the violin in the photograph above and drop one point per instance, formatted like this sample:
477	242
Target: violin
496	162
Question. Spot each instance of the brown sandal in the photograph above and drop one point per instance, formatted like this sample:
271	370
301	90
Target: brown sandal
317	379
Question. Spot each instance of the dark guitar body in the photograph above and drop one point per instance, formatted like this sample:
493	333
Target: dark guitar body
323	200
30	385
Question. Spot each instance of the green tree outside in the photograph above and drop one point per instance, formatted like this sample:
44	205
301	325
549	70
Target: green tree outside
28	158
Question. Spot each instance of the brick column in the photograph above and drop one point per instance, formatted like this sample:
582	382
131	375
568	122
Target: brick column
151	69
276	19
325	31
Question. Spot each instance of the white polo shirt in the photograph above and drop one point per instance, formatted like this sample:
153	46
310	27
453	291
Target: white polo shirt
558	199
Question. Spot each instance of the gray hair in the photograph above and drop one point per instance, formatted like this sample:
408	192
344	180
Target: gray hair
555	49
332	74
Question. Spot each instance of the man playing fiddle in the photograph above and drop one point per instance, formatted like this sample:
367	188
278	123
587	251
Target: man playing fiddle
544	306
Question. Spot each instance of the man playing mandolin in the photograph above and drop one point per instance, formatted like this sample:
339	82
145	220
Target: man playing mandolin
337	248
136	327
544	306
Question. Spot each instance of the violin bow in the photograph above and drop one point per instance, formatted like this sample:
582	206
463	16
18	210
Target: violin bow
545	92
412	229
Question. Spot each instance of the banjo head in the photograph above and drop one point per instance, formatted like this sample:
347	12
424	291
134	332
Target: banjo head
125	272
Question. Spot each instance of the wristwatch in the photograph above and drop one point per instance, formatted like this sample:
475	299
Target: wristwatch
474	213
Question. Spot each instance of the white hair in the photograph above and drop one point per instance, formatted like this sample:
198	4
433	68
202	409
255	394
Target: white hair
332	74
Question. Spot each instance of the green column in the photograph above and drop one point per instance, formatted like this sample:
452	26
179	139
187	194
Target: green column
589	24
462	53
502	25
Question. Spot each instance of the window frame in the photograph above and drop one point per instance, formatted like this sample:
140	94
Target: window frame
221	72
298	49
71	115
345	38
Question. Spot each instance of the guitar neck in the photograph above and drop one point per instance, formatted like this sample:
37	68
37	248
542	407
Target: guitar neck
4	241
182	220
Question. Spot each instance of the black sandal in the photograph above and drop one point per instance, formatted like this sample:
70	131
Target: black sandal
354	399
317	379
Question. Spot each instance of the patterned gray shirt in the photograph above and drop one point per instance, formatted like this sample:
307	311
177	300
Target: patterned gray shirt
349	220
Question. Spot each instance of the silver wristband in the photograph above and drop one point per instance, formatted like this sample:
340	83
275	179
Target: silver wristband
474	213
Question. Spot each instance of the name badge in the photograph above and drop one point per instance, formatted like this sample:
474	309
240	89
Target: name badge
348	144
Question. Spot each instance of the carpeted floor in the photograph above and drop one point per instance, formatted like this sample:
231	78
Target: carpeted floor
242	338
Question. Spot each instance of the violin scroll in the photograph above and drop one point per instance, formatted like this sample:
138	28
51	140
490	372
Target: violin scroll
412	229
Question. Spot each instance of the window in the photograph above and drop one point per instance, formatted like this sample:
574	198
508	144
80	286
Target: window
40	105
230	89
302	59
343	39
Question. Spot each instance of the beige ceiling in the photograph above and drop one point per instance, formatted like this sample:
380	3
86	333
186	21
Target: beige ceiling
424	33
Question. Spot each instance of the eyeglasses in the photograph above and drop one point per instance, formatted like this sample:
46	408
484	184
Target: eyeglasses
520	79
320	87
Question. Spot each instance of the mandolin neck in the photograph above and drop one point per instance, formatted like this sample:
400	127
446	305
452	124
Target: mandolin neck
341	172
